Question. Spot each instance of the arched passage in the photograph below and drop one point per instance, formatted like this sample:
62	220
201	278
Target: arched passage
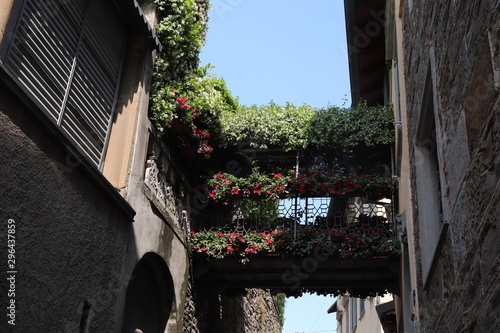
150	296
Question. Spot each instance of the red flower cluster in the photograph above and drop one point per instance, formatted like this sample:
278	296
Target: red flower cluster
199	136
225	188
335	243
314	185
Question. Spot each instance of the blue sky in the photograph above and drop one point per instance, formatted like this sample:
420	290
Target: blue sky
283	50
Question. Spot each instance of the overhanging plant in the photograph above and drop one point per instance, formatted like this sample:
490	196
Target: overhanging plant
226	188
218	244
338	244
305	127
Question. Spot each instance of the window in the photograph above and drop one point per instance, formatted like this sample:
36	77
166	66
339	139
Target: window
67	55
353	314
427	169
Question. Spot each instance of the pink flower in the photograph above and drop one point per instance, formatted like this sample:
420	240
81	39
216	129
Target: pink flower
203	249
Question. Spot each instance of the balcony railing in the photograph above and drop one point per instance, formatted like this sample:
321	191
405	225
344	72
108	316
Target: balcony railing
353	215
324	245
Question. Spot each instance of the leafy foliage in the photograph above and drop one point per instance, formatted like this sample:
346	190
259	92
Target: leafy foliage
226	188
280	301
269	124
338	244
345	128
208	98
181	30
305	127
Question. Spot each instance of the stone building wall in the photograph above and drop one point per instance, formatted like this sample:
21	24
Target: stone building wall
454	45
245	311
256	313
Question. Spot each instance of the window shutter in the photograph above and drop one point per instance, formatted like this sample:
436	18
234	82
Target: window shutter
67	55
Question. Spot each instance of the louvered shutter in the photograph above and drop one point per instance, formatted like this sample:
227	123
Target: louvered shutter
67	55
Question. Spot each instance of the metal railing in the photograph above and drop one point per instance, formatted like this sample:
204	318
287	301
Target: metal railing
354	214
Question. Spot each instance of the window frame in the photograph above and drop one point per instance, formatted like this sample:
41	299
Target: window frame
428	172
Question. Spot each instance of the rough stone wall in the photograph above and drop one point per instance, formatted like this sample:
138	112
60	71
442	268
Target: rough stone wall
253	313
460	39
246	311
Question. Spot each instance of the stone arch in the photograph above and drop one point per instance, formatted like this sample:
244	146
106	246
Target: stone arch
150	296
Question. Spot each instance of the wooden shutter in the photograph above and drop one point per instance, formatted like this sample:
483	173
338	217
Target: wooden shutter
67	55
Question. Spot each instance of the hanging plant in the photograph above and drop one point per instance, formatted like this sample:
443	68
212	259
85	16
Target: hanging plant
226	188
337	244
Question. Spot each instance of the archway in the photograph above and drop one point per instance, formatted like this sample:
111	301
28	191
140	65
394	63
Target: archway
150	296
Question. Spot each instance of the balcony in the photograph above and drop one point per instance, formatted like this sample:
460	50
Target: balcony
300	235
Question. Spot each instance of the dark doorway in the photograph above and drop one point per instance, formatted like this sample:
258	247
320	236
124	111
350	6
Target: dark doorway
150	296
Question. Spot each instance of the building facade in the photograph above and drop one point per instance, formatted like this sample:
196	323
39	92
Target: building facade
95	208
452	107
441	76
95	205
363	315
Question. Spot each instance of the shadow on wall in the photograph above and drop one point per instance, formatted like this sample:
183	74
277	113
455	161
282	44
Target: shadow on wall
150	296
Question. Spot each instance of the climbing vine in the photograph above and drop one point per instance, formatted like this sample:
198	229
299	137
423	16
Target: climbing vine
182	30
209	109
304	127
182	89
280	301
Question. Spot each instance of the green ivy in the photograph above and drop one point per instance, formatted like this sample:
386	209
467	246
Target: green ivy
280	301
270	124
207	95
305	127
345	128
181	30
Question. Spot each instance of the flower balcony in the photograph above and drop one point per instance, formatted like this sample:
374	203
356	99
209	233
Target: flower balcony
340	242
